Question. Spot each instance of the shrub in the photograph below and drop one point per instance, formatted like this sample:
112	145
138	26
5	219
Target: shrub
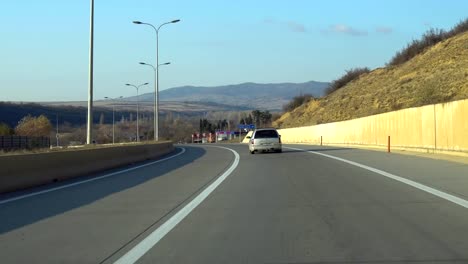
5	130
349	76
429	39
33	126
297	101
461	27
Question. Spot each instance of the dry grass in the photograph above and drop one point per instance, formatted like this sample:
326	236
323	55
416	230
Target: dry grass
438	75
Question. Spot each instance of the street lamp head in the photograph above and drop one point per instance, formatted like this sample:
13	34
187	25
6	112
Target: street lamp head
145	83
162	64
128	84
175	21
137	22
142	63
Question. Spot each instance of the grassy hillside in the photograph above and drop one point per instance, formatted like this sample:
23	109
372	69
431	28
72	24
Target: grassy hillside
440	74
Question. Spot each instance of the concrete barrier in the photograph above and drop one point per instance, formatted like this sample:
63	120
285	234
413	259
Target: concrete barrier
246	140
24	171
440	128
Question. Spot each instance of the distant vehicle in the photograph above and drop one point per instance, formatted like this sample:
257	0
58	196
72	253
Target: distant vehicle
196	138
266	139
222	137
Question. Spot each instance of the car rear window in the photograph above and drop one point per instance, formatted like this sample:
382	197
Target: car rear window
266	134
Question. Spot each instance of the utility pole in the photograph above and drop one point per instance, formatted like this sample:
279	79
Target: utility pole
57	127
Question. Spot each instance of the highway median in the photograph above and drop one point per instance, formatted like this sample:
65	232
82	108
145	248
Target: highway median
20	172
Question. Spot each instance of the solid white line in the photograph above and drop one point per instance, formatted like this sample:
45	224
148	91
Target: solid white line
443	195
152	239
89	180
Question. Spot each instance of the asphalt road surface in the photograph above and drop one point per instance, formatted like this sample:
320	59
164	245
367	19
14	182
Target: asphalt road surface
220	204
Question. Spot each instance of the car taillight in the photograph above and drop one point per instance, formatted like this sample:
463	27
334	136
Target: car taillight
279	138
252	141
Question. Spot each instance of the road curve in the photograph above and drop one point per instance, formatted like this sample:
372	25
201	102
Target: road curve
293	207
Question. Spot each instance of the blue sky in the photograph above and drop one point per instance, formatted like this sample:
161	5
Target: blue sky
44	44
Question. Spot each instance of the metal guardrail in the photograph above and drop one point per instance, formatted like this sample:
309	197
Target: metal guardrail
23	142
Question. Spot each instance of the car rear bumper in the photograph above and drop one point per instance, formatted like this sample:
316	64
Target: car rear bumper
264	147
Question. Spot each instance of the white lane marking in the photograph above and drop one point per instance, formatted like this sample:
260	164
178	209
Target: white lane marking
152	239
89	180
443	195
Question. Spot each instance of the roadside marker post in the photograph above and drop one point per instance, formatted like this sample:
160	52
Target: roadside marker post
388	145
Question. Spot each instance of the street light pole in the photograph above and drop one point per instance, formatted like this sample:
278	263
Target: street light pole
137	125
89	130
156	103
113	123
156	84
113	117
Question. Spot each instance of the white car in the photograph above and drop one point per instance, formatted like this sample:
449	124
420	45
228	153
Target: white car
265	139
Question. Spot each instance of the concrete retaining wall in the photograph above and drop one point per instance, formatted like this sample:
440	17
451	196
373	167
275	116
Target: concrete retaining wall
24	171
440	127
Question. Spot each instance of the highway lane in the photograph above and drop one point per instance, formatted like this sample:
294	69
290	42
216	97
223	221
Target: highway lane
294	207
451	177
88	223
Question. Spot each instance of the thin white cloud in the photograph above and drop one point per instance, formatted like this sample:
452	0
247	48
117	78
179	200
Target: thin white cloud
384	30
290	25
345	29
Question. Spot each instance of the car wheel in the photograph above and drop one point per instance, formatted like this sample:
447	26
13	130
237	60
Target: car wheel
252	152
279	150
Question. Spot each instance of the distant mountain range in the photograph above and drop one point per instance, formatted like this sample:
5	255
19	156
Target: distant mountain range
75	113
185	101
245	95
